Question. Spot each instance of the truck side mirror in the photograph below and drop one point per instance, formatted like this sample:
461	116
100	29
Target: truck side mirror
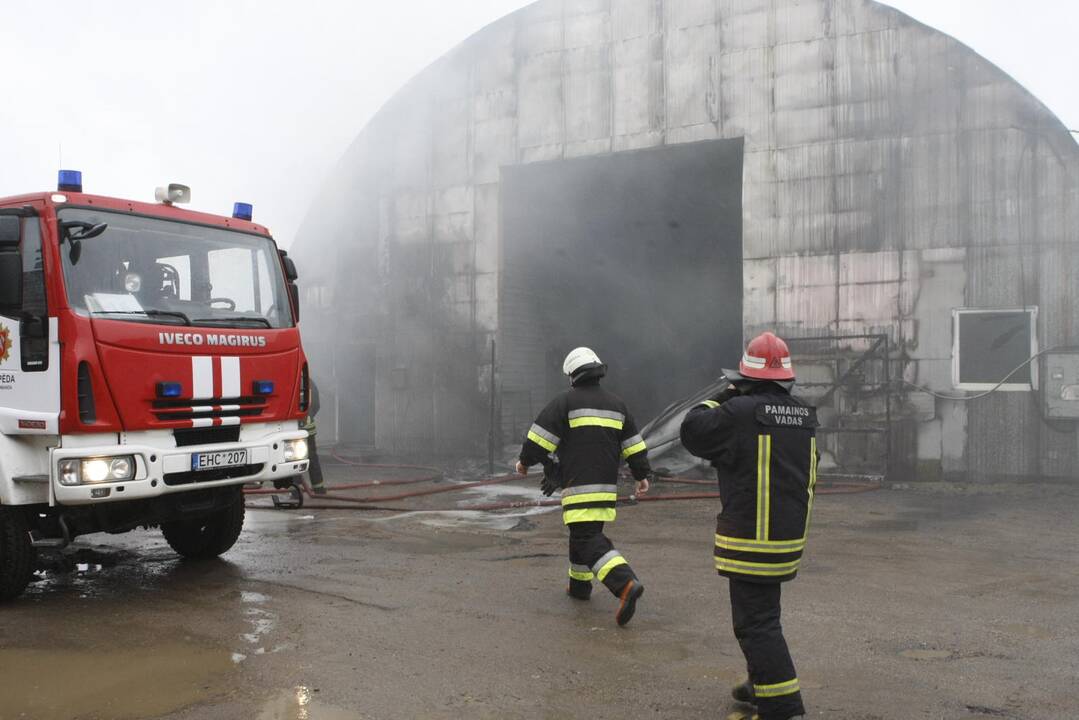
291	275
290	269
294	293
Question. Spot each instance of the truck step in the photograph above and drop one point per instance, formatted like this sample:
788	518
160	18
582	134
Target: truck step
37	479
48	542
52	542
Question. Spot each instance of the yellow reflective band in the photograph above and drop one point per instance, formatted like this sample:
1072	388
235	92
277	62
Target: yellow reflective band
812	481
778	690
589	497
582	576
760	474
711	404
596	422
542	442
754	568
777	547
764	460
767	487
610	565
572	515
633	450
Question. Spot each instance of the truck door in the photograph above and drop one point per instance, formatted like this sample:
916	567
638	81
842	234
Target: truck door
29	343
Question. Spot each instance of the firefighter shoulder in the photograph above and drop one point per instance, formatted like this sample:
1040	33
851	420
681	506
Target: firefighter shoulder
762	442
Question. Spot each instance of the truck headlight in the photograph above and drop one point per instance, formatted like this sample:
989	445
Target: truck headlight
295	450
79	471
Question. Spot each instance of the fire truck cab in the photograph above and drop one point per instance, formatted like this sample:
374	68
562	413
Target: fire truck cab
150	367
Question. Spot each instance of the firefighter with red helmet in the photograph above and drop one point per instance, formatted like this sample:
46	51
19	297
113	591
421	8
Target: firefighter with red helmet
762	442
580	438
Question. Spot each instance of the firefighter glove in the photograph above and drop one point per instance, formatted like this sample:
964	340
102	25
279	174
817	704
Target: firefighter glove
552	478
729	392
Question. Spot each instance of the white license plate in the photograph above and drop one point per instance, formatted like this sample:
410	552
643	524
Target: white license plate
216	460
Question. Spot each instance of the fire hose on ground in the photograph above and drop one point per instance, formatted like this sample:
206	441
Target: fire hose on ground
337	500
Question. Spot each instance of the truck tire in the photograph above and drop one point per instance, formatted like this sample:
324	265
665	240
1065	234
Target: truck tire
17	555
207	537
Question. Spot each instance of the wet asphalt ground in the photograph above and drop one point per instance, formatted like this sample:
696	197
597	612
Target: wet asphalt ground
929	602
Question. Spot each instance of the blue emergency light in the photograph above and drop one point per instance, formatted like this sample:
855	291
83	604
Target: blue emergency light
264	387
69	181
243	211
169	389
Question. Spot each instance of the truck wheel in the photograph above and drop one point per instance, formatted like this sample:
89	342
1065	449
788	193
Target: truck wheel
207	537
16	554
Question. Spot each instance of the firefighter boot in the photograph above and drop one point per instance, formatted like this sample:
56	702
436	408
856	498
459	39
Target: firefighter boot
630	595
744	693
579	589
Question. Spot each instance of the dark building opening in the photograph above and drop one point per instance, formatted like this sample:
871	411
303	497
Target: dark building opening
637	255
354	395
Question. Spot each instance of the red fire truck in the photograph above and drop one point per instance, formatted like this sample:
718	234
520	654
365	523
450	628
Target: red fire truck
150	367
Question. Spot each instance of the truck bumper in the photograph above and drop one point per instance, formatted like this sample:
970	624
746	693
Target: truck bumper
162	469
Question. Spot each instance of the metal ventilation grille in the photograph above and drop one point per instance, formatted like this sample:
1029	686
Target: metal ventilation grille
186	437
241	407
85	388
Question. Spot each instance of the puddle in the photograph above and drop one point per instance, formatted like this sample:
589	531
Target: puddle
468	518
261	622
494	493
138	682
301	703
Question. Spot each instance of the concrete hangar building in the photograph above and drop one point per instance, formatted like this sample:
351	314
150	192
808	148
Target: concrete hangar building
661	179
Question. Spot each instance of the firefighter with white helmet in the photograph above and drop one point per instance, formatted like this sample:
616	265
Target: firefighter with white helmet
762	442
580	438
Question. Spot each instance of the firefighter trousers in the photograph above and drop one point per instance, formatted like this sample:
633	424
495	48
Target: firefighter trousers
593	557
755	609
314	467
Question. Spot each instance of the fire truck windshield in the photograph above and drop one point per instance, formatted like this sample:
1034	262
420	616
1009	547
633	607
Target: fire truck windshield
145	269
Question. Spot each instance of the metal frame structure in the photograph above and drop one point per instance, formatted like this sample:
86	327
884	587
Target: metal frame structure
846	379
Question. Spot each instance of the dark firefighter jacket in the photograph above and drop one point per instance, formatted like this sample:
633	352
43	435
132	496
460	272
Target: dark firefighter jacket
591	431
763	446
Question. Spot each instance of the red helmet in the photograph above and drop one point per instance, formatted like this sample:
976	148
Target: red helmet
767	358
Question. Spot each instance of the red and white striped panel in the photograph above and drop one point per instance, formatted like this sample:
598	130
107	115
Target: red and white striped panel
214	377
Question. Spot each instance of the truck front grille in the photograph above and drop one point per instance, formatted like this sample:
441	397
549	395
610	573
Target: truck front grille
217	408
189	477
186	437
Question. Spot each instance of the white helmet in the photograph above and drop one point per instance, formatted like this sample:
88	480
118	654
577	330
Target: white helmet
579	359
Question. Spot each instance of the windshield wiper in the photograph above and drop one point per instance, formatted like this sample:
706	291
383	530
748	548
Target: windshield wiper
239	319
147	313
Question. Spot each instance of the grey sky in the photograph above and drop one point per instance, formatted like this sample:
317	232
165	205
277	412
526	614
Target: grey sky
254	101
